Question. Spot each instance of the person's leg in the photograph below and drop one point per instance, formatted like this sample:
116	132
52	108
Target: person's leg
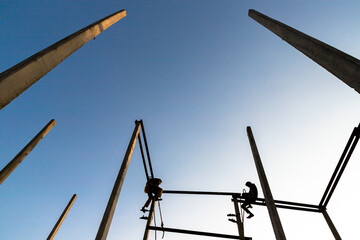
147	202
244	206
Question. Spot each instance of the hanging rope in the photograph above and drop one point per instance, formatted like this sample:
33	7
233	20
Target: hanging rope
242	211
154	218
161	218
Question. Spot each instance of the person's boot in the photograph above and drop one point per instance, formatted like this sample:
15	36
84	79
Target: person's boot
250	215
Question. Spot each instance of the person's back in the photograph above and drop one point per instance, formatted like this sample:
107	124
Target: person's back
253	192
249	197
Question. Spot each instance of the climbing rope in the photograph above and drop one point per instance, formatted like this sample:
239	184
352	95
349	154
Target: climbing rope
154	218
161	218
242	211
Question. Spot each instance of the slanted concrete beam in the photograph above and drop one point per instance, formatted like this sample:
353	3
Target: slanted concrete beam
269	200
20	77
342	65
114	197
7	170
61	219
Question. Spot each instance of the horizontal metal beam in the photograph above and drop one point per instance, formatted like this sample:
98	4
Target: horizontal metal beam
200	192
218	235
290	205
259	201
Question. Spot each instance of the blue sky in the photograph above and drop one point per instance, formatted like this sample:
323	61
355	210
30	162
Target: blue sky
197	73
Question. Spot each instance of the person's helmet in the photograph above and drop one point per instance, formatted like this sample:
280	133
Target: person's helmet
156	181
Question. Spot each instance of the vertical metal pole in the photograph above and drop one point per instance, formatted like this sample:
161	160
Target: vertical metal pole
331	225
150	217
240	224
7	170
61	219
110	208
269	200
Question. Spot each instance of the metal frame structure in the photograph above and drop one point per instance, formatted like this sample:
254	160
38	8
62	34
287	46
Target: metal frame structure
236	197
20	77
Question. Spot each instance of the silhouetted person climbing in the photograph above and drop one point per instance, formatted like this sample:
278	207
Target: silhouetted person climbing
250	197
153	190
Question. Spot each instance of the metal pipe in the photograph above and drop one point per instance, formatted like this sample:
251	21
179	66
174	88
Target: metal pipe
150	217
291	207
341	171
259	201
61	219
110	208
336	171
239	222
218	235
200	192
147	148
20	77
143	158
7	170
331	225
274	216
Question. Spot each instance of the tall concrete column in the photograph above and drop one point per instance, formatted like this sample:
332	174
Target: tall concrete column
149	220
342	65
110	208
61	219
20	77
269	200
239	222
7	170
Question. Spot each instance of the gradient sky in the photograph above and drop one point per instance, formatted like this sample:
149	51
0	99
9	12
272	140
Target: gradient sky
197	73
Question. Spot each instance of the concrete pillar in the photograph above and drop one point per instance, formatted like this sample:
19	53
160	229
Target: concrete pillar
110	208
269	200
239	222
20	77
61	219
7	170
342	65
149	220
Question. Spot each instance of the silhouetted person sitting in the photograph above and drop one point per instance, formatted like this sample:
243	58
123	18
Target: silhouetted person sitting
153	190
249	197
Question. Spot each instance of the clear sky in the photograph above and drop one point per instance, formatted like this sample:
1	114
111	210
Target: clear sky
197	73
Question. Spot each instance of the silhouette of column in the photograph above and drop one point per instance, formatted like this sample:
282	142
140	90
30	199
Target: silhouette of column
269	200
7	170
150	217
331	225
20	77
61	219
342	65
239	222
110	208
